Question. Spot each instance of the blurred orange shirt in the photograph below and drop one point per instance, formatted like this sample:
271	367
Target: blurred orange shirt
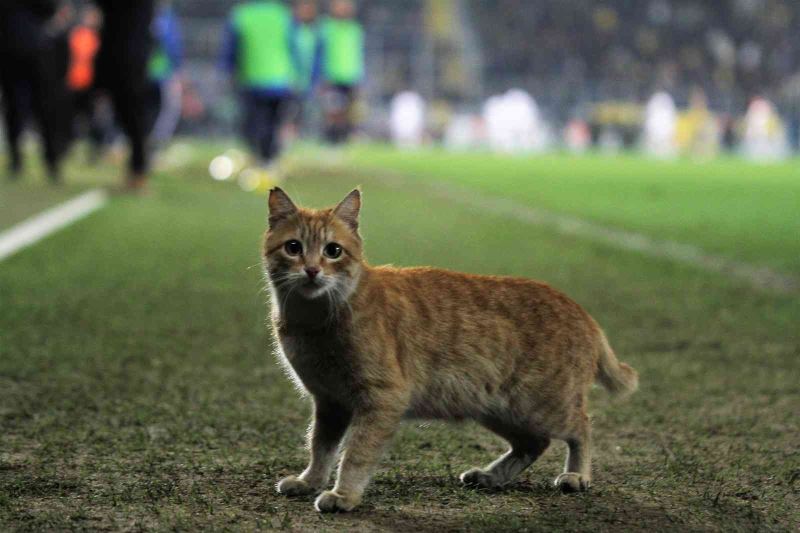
83	45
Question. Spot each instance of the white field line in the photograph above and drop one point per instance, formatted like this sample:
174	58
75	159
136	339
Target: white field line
39	226
759	277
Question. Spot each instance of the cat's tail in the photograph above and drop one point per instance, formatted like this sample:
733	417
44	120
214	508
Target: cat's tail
619	379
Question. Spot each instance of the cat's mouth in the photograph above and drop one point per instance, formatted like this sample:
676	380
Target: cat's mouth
313	288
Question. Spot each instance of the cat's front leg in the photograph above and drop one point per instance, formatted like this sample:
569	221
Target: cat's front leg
328	425
369	433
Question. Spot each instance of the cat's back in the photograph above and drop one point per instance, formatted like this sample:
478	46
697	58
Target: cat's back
435	301
467	291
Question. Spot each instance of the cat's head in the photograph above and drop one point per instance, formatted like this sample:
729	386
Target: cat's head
313	253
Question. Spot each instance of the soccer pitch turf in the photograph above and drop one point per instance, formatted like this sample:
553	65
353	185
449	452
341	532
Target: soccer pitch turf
138	389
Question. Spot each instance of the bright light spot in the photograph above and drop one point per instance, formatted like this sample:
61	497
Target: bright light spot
221	168
249	180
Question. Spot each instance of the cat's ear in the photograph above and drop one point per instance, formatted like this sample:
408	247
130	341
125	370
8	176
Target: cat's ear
280	206
348	209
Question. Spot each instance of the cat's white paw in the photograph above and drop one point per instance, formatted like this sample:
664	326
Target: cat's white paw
475	477
332	502
294	486
569	482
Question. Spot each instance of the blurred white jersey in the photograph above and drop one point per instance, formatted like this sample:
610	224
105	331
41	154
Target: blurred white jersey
513	123
407	119
660	125
764	134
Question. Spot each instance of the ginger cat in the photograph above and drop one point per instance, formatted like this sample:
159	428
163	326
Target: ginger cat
375	345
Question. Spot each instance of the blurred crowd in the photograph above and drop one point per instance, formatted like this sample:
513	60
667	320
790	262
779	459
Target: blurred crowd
580	50
667	76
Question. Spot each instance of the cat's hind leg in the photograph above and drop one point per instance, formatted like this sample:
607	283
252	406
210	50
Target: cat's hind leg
525	449
577	474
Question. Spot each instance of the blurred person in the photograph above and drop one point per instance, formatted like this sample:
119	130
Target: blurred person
436	118
33	64
764	133
122	70
258	51
342	68
660	126
698	133
407	119
729	132
307	48
526	131
577	136
307	44
84	43
513	123
165	81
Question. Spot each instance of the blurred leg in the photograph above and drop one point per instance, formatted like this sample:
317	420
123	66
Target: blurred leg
48	117
51	103
122	63
250	120
130	103
12	116
274	111
348	97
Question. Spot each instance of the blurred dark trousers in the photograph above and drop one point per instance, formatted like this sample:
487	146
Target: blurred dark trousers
263	117
338	105
32	68
30	83
122	69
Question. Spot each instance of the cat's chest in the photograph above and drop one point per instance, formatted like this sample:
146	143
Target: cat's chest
324	361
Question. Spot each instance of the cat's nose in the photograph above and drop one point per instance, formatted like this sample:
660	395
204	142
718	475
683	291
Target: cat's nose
312	272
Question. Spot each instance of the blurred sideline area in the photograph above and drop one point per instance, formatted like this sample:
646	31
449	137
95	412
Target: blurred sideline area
668	78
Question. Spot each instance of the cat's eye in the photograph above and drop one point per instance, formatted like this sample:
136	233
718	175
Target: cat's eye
332	250
293	247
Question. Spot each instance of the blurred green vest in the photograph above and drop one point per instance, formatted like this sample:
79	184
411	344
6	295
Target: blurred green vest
263	55
344	51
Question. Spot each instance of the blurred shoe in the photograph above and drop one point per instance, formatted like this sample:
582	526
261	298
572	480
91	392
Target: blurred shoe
137	184
269	177
260	179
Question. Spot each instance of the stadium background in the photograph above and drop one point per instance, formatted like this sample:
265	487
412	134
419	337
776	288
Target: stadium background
570	55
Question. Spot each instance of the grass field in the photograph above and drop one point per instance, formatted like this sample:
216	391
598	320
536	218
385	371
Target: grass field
138	390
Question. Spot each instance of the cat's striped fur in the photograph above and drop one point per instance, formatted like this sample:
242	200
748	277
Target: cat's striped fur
375	345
